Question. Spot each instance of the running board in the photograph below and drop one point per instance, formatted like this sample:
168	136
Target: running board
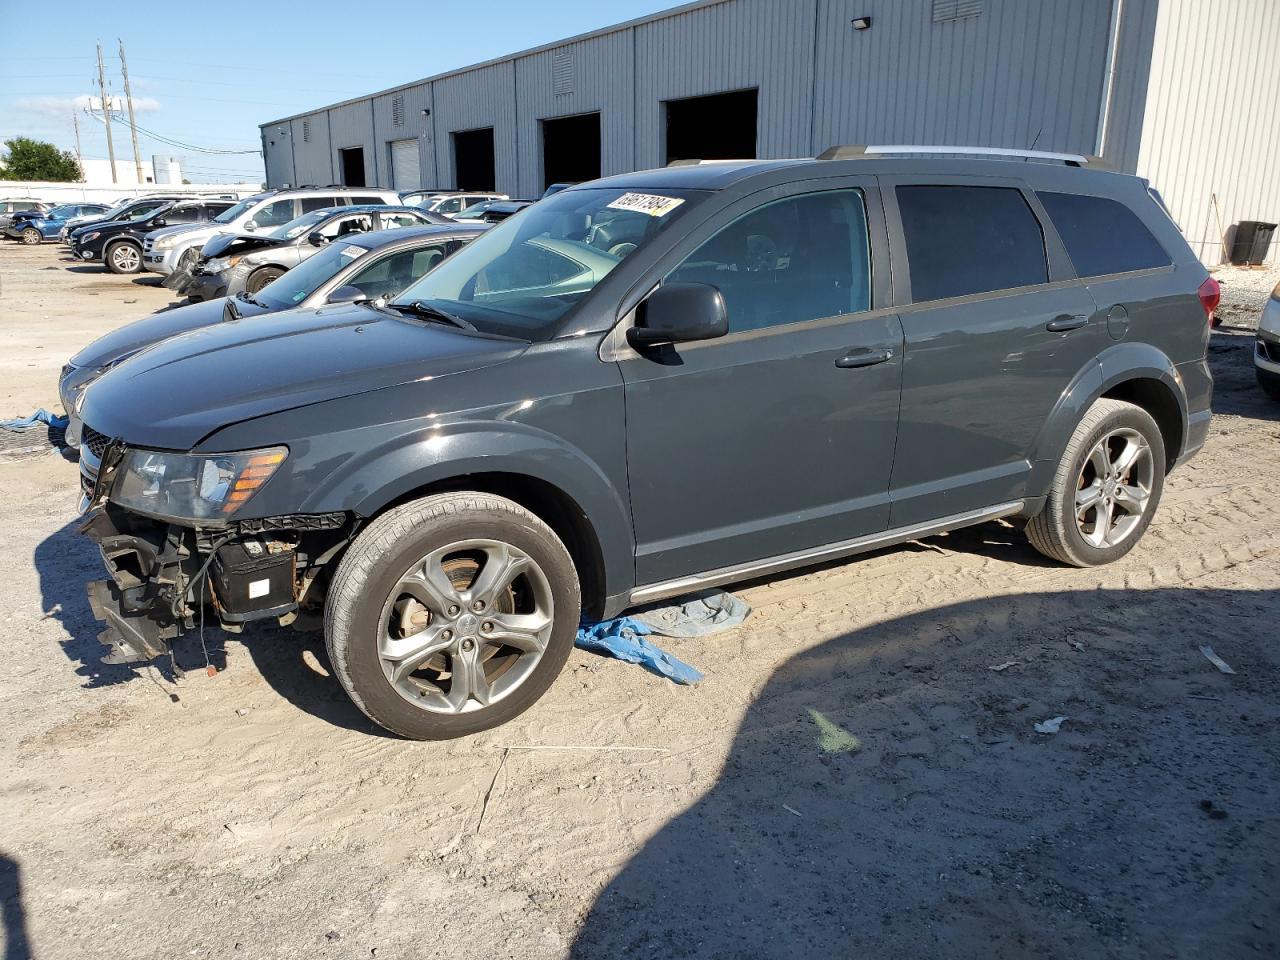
832	551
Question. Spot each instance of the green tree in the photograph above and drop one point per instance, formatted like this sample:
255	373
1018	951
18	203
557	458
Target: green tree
27	159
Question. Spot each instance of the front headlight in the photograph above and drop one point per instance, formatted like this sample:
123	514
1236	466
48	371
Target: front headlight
90	236
221	264
164	243
184	486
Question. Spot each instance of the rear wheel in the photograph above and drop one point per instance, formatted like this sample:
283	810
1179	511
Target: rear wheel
1106	487
451	615
123	257
31	236
1269	382
261	277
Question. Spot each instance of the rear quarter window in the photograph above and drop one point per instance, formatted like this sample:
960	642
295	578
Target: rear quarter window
968	240
1102	236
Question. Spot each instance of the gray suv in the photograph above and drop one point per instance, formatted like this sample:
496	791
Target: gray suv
643	386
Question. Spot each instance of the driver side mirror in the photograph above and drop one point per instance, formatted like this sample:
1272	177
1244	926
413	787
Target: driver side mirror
159	222
317	239
251	225
679	313
346	294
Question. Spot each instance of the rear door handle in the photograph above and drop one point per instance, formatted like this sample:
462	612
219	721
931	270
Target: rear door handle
1066	322
863	358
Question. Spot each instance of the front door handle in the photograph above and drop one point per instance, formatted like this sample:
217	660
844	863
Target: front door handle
1066	322
863	358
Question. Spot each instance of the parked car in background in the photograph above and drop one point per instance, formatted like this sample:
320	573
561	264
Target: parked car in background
230	264
449	202
16	205
1266	353
365	266
168	249
500	210
472	213
118	245
31	227
136	209
504	448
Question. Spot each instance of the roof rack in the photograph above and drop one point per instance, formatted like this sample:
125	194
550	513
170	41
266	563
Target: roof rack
702	163
855	151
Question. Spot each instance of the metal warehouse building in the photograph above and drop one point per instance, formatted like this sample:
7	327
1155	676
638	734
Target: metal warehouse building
1183	92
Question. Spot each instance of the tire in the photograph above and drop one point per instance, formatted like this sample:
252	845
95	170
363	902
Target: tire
31	236
123	257
400	656
261	277
1269	382
1083	539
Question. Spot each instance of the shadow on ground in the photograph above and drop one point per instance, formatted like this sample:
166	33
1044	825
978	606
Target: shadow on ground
13	913
888	795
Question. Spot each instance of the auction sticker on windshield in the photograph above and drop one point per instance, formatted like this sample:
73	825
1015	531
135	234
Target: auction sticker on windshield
652	204
351	252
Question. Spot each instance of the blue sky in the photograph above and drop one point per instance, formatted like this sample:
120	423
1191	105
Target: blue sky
210	86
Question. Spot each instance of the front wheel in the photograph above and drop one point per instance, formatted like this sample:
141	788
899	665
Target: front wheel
451	615
1106	488
31	236
123	258
261	277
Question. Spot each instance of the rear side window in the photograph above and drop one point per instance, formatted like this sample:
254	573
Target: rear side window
367	200
967	240
320	203
1102	236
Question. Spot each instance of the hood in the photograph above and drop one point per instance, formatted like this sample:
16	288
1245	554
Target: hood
180	390
131	338
181	228
236	243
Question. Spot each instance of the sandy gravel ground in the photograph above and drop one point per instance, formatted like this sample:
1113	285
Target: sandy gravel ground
853	778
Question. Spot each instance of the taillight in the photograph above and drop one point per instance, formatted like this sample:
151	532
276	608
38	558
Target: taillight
1210	294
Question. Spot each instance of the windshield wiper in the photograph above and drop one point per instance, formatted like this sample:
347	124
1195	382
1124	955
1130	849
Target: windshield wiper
420	308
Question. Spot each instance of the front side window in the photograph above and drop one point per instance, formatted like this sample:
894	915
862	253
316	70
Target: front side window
62	212
968	240
300	225
304	279
523	277
797	259
1101	235
274	214
449	205
391	221
344	226
183	215
391	274
143	210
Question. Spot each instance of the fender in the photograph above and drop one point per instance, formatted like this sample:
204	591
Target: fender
1114	366
381	474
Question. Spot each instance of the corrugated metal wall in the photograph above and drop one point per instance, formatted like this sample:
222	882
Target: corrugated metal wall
1021	72
1212	118
1017	69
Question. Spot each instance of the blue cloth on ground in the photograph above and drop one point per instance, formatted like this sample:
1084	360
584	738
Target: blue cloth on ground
40	416
624	638
703	613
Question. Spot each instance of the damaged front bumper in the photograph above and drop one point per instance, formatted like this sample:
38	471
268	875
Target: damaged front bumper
165	575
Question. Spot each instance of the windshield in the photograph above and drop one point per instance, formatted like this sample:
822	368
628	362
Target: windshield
302	281
228	215
523	277
298	225
476	209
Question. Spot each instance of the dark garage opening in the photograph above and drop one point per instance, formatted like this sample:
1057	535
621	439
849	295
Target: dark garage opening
473	159
719	127
571	149
352	161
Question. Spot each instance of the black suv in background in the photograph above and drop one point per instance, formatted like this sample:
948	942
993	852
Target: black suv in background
118	244
647	385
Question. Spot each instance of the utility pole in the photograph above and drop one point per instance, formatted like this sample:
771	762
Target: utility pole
75	122
106	113
128	97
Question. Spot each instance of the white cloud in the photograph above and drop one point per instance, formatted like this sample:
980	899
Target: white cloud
60	107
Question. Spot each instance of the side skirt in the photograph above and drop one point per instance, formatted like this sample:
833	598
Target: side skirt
832	551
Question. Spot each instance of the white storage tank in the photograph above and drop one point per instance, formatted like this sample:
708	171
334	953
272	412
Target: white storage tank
166	169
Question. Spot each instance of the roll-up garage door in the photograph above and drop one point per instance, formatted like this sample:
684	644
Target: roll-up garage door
404	165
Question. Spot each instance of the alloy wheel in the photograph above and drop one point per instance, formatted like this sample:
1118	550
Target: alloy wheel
125	257
1114	488
31	236
465	626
